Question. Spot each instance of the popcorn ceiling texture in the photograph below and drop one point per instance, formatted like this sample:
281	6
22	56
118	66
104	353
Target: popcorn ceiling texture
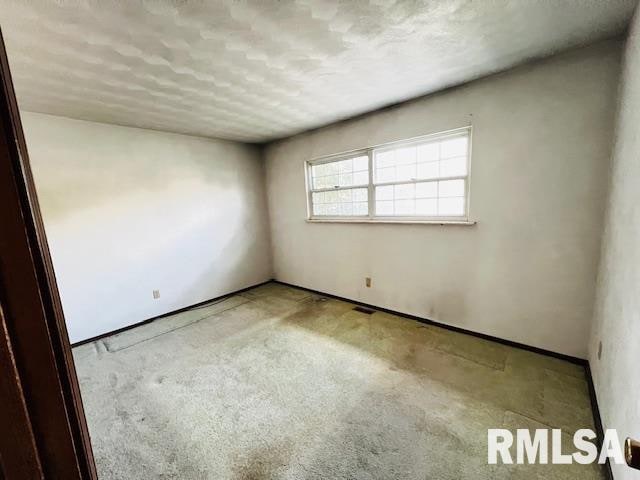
260	70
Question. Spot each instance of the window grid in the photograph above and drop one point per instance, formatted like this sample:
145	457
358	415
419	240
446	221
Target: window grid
442	204
421	199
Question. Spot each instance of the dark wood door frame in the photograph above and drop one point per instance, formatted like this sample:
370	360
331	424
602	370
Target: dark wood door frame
44	431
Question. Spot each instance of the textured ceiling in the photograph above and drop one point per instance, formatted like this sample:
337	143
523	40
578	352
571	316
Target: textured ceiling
257	70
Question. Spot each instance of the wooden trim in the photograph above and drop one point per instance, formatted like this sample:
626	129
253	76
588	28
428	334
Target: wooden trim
17	434
568	358
168	314
597	419
33	321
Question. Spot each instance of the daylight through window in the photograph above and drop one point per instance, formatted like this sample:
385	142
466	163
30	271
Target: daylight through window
419	179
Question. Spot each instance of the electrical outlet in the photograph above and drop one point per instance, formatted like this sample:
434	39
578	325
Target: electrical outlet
156	294
367	281
599	350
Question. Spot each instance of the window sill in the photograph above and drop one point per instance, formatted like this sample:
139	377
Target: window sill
401	222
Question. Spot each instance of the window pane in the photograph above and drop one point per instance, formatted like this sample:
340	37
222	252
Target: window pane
384	208
385	175
361	164
405	172
427	207
341	173
451	188
345	166
395	165
345	196
453	207
360	208
406	156
329	197
324	169
384	193
429	152
346	179
455	147
453	167
360	195
428	170
348	202
421	199
405	207
328	181
346	209
431	159
361	178
385	159
408	190
427	190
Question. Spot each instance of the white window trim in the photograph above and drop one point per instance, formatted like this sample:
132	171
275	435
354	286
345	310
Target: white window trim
370	217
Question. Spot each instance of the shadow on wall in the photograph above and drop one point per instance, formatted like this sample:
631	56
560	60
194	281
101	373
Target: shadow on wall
128	211
117	261
81	165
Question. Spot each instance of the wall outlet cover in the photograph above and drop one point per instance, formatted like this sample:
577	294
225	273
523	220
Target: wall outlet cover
156	294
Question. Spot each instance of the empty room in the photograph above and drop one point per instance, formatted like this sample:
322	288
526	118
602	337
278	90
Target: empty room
318	239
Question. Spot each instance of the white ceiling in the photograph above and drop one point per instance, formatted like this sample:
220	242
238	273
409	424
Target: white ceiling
256	70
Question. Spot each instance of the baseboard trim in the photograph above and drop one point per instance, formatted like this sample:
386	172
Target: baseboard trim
597	419
427	321
173	312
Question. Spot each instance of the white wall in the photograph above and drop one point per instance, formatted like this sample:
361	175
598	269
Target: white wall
617	312
128	211
526	271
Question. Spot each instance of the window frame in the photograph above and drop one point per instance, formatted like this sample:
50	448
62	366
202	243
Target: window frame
370	153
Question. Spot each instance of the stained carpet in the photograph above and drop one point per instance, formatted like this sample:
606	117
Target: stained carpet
277	383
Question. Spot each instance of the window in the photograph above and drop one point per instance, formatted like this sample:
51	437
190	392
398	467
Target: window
424	179
340	187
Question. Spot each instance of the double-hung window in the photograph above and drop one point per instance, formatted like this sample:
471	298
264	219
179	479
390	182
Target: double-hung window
422	179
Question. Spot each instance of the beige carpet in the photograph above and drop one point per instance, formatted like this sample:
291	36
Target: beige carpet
277	383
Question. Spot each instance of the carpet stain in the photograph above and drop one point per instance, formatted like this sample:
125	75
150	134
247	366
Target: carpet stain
283	386
263	463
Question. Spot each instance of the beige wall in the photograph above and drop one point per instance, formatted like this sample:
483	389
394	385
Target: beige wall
526	271
617	313
128	211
